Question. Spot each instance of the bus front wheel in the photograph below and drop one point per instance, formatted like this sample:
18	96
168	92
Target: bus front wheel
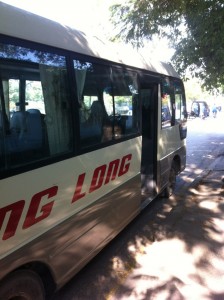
23	285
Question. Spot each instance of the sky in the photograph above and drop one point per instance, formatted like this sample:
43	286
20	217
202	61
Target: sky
86	15
90	16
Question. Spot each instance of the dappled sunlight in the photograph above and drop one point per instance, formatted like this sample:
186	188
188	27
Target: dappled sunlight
208	204
203	191
167	257
167	271
197	171
190	167
217	231
169	262
179	253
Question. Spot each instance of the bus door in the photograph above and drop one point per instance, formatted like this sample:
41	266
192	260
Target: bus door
149	103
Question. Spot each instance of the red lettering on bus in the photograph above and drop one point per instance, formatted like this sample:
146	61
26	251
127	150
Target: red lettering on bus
78	190
112	170
37	213
124	165
31	217
15	210
98	177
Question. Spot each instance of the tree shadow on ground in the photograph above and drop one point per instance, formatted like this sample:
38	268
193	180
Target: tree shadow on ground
191	221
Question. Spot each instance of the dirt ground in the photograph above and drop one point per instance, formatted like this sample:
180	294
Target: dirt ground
184	255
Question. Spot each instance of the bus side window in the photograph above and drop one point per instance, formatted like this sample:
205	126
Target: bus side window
113	102
180	109
126	101
166	104
36	101
91	81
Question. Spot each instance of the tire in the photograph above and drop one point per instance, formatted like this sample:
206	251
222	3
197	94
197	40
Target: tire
169	189
22	285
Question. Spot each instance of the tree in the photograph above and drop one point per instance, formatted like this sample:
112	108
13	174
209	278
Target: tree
195	28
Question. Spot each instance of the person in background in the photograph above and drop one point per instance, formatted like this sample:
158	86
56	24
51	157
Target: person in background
214	110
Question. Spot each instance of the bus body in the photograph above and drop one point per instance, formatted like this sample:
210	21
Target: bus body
88	138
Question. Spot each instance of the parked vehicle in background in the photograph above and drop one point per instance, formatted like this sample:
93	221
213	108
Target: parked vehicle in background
200	109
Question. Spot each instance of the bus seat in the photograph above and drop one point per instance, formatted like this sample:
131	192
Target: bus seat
129	124
91	131
18	123
33	111
87	130
26	131
97	112
34	126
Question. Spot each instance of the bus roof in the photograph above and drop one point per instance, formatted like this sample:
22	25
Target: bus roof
22	24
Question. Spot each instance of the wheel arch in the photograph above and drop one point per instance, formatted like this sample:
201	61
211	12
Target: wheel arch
44	273
176	163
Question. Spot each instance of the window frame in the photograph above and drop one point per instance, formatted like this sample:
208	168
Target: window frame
73	100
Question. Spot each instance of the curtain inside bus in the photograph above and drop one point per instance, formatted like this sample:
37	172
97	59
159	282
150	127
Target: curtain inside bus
57	108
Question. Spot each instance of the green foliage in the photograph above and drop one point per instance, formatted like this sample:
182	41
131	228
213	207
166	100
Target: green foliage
14	91
34	91
195	28
194	92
